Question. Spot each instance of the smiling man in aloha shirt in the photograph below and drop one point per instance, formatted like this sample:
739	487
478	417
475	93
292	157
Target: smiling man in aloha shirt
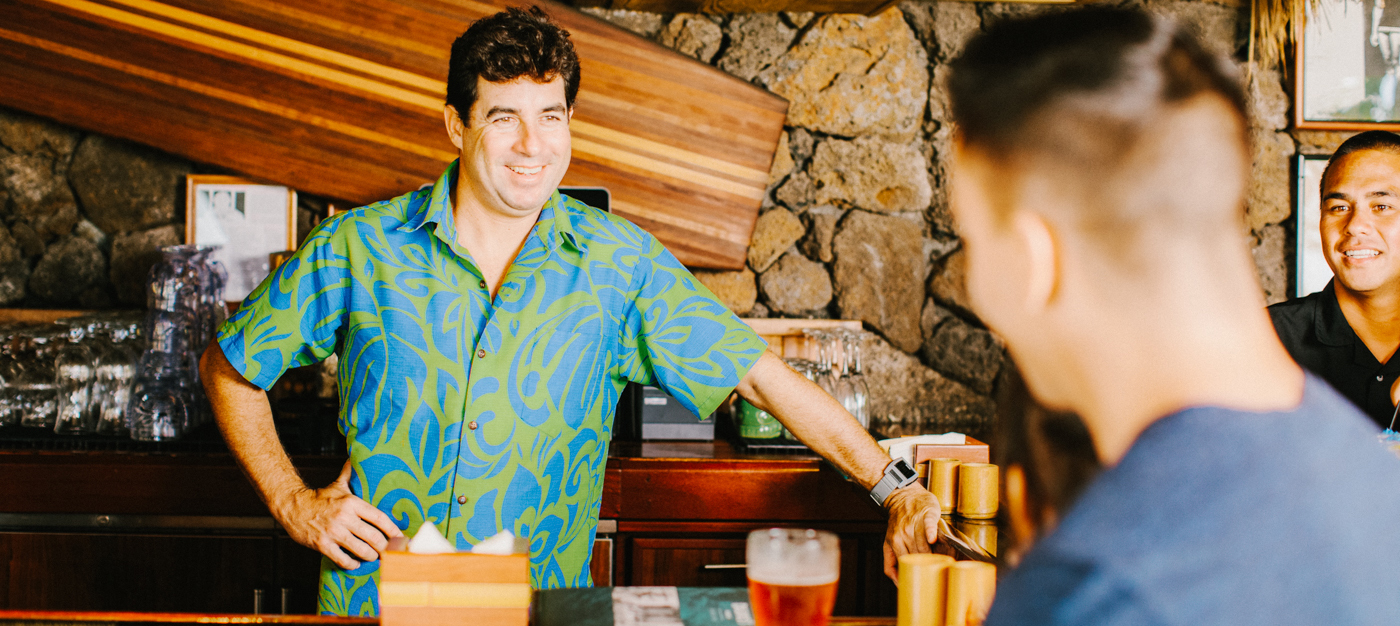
485	328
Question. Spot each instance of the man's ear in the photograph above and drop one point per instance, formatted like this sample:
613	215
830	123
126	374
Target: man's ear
1024	526
1042	257
571	114
455	127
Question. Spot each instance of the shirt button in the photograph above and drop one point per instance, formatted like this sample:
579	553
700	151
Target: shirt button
481	284
481	354
1380	377
461	499
471	425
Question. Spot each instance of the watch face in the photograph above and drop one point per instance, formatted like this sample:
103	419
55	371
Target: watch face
901	467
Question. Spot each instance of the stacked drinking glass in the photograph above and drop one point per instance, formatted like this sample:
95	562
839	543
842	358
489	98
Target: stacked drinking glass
184	303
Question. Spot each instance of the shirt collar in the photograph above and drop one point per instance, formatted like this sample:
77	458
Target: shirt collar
1329	324
554	226
556	223
438	207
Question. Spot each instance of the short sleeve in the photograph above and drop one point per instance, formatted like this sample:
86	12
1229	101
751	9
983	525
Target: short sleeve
294	316
686	341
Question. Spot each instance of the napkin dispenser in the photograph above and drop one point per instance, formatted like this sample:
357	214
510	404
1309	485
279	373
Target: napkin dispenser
454	588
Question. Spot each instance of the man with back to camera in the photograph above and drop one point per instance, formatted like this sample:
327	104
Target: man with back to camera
1098	183
1348	332
485	327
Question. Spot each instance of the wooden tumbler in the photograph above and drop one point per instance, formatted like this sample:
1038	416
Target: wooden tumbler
943	482
923	583
977	490
981	532
971	587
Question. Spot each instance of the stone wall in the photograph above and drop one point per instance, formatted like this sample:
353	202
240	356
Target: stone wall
83	216
856	223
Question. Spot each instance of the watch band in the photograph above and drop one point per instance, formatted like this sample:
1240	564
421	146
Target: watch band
897	474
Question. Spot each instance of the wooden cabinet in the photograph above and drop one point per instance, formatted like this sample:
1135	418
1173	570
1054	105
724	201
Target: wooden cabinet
668	509
101	572
690	560
685	561
681	506
601	566
299	572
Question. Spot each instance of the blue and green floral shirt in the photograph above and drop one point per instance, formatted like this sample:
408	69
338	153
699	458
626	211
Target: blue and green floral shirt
479	414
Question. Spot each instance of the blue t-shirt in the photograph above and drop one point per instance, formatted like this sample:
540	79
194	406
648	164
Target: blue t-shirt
1217	516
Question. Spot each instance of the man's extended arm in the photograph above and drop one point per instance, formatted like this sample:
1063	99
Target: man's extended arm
824	425
330	520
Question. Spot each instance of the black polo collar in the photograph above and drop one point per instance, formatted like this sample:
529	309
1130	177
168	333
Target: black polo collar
1329	324
1331	328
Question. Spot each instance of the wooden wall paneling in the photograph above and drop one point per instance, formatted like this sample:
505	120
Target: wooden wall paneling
344	99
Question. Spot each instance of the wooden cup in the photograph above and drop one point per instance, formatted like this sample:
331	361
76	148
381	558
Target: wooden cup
977	490
982	532
923	583
943	482
971	587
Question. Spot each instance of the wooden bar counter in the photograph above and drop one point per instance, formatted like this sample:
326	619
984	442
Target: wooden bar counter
64	618
101	531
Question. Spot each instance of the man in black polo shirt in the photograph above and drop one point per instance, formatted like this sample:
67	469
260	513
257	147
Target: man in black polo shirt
1348	332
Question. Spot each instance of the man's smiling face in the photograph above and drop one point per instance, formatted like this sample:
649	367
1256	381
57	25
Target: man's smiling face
516	146
1361	218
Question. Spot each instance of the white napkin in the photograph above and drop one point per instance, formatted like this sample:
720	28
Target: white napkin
903	447
429	540
501	543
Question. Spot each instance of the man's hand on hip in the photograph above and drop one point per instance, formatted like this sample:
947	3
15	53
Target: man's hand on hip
336	523
913	526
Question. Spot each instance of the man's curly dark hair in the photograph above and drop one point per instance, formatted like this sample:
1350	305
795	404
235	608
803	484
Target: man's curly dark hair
507	46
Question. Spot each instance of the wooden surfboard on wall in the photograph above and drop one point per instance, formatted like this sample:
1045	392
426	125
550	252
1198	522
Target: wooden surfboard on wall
343	98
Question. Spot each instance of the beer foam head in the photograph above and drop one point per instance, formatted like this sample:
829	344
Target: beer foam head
793	557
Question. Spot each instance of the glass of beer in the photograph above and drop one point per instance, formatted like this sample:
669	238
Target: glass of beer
792	576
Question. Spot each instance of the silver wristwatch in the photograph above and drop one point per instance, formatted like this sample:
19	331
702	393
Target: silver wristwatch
897	474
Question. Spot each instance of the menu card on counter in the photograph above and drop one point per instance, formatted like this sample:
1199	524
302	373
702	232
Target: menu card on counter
643	606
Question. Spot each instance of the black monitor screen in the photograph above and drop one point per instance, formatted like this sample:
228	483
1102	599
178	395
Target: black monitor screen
596	197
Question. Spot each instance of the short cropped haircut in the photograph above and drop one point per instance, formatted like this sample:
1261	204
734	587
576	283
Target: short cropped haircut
511	44
1082	96
1382	140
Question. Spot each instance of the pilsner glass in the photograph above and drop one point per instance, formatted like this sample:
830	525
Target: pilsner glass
74	373
792	576
116	368
37	394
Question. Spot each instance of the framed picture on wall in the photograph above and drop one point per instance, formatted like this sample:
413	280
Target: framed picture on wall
248	219
1348	64
1312	271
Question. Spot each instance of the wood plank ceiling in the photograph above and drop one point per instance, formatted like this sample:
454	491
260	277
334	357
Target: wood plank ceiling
343	98
866	7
